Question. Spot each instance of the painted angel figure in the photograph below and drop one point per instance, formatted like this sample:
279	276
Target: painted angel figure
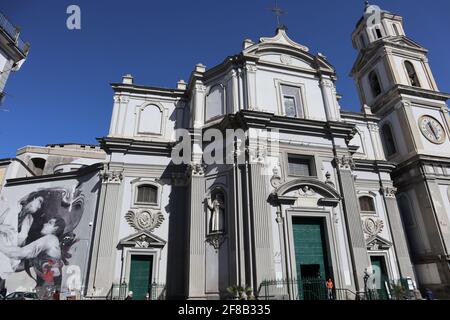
217	211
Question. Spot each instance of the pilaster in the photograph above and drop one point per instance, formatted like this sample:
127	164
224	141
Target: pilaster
196	233
105	241
398	233
358	248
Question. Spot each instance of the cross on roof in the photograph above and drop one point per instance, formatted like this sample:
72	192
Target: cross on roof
278	13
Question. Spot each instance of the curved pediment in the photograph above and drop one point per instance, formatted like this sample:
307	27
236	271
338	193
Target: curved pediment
282	50
306	191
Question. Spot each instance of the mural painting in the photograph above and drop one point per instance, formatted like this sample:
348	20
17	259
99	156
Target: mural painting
46	228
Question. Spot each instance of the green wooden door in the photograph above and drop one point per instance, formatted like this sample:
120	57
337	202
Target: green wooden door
140	276
311	258
381	277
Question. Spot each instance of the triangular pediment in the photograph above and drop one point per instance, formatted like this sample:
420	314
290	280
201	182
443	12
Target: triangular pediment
400	42
142	239
403	41
377	243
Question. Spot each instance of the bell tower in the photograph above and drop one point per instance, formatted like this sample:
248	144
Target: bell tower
395	82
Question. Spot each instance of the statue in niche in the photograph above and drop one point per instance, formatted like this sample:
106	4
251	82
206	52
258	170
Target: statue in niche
217	212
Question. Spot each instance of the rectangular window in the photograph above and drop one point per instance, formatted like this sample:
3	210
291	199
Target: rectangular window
378	33
300	166
396	30
292	101
290	107
147	194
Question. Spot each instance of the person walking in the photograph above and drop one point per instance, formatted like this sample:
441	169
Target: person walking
330	286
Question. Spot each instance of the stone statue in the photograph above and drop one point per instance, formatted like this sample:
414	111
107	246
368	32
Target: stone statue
217	212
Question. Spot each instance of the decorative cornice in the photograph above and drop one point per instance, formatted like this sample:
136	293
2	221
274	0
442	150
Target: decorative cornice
374	165
375	243
140	89
142	239
55	177
397	91
269	121
134	146
359	116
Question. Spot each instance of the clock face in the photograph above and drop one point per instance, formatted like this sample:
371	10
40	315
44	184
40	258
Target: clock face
432	129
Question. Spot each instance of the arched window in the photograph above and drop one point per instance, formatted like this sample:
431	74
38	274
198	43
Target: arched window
147	194
412	75
150	117
389	142
38	165
367	205
374	84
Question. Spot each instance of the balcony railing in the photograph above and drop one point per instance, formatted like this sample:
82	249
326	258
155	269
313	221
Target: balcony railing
13	32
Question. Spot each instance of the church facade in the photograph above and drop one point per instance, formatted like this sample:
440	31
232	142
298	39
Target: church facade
250	175
320	205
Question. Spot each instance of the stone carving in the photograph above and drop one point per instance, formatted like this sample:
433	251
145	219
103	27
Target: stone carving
373	127
389	192
122	99
286	59
306	192
250	68
345	163
196	169
217	213
275	181
377	243
142	242
215	240
111	177
144	220
279	218
200	88
328	180
257	154
327	83
373	226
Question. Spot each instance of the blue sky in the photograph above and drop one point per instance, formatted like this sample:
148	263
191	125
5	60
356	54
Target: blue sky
62	93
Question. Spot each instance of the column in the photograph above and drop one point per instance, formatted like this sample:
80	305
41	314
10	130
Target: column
196	233
398	233
358	249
